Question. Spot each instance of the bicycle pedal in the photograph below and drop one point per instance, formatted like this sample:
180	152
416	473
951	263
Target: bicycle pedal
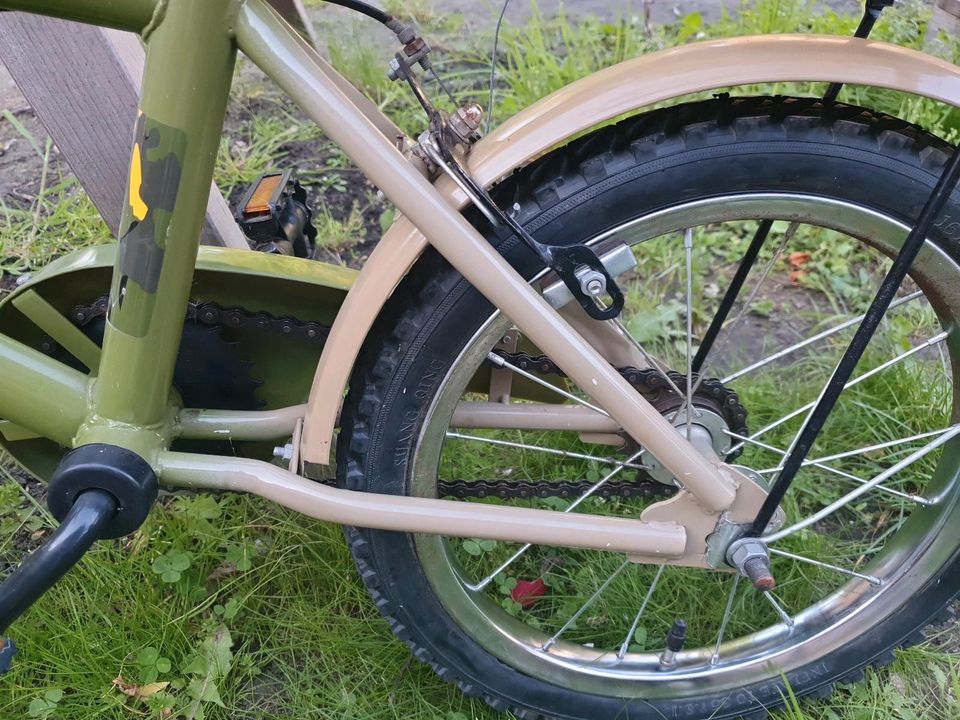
275	217
7	650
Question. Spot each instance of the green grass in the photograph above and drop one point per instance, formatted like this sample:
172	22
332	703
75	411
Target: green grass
58	219
251	611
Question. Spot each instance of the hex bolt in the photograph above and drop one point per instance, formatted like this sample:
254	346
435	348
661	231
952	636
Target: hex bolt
284	452
752	559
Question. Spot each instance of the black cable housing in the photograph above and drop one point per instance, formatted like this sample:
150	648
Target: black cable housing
365	9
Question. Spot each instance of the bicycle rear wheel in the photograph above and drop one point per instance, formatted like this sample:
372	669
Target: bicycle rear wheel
684	188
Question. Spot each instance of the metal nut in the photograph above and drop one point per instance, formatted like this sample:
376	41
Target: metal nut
593	283
745	549
393	71
751	558
466	121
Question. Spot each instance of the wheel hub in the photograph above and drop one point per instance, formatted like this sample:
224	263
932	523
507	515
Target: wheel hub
708	433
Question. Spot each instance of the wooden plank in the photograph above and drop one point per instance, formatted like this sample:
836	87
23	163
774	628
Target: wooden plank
946	19
83	82
295	14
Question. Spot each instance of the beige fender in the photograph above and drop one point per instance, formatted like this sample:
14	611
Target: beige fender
599	98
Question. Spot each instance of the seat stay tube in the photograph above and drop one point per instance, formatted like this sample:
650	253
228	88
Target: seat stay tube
190	60
266	41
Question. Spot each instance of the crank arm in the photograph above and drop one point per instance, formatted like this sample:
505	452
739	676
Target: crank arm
98	492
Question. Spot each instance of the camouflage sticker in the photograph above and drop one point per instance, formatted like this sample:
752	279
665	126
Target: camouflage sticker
155	167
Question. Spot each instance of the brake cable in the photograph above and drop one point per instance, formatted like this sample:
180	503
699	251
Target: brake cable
577	266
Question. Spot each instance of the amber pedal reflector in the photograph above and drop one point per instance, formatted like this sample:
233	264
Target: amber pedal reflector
263	194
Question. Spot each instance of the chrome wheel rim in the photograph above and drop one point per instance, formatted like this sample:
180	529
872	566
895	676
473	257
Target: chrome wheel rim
908	560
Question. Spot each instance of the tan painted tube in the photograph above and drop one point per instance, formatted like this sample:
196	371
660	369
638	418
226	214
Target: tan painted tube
423	515
266	41
532	417
599	98
238	424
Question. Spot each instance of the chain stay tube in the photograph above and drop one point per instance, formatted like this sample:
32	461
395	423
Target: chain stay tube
871	321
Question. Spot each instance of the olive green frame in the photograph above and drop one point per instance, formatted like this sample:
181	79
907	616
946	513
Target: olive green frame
191	52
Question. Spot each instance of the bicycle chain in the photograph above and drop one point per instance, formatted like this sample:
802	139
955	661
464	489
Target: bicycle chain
647	381
211	314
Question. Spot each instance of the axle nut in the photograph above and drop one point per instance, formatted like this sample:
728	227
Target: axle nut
751	557
115	470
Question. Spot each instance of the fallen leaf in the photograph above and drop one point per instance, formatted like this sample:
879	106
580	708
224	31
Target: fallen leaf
152	689
526	592
141	692
799	258
795	275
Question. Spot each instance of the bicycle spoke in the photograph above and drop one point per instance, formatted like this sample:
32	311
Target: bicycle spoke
866	487
522	551
730	297
500	362
819	563
651	360
878	446
688	252
811	340
932	342
787	237
728	611
583	608
850	383
547	450
643	606
847	476
788	621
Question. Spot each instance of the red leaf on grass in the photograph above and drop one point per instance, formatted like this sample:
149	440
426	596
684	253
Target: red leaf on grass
526	592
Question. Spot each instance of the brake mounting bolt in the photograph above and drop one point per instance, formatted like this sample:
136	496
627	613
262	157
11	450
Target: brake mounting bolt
593	283
466	121
752	559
